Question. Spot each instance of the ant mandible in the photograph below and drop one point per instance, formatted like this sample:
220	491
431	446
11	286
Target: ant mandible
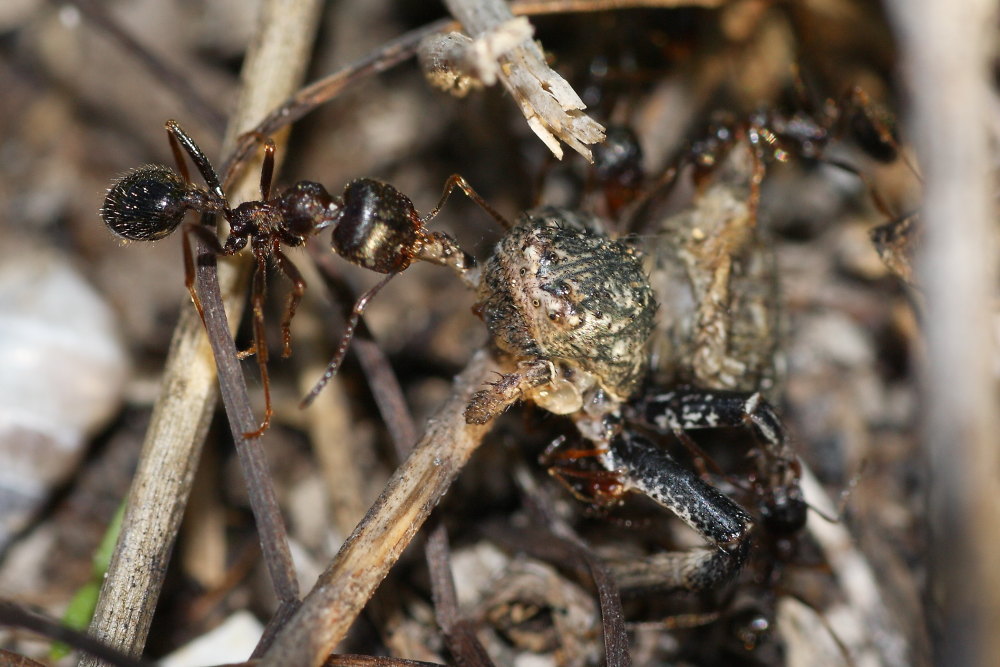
374	226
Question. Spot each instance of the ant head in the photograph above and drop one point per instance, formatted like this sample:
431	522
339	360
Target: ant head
378	228
146	204
619	156
785	513
875	133
307	208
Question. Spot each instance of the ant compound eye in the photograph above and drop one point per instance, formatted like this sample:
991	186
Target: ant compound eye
146	204
378	227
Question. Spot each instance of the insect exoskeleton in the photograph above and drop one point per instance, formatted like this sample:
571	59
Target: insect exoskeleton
557	289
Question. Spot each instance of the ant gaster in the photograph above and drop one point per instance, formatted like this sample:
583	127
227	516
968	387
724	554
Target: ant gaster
374	226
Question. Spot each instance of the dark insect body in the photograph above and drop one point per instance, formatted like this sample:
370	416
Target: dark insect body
374	226
572	307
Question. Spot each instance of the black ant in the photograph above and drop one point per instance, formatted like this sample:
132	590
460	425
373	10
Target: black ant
374	226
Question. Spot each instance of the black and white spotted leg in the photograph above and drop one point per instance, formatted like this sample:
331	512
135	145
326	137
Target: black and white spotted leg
646	468
778	468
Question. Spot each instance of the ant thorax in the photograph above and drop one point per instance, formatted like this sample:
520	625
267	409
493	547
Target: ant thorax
557	291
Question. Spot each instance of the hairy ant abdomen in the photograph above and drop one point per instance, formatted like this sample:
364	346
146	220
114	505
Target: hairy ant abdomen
147	204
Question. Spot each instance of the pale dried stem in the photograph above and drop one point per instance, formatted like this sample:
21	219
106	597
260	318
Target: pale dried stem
172	447
948	51
550	105
366	557
540	7
870	633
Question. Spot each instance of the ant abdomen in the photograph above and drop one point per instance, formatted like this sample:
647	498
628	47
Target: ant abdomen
146	204
384	227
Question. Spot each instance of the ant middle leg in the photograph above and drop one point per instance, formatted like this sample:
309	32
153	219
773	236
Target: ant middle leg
267	167
260	341
294	299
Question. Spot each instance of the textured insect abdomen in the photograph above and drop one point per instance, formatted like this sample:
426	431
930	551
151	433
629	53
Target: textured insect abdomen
555	290
384	227
146	204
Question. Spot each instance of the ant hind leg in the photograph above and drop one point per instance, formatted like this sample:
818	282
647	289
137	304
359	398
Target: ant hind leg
180	139
352	323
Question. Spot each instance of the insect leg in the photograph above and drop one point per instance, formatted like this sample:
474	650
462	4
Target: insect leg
645	468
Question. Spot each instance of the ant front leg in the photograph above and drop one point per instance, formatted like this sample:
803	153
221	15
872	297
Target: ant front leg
645	468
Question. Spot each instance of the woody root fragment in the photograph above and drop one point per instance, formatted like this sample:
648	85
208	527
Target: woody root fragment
500	47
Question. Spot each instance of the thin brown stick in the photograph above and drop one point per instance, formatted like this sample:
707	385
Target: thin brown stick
180	418
322	91
345	660
14	615
172	79
459	634
567	546
368	554
403	48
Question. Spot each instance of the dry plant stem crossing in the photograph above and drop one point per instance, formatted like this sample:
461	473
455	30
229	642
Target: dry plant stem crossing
388	394
172	446
417	486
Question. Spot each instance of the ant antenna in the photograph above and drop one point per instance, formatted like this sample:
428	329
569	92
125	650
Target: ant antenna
845	496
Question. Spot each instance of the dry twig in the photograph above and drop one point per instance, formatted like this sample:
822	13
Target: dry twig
417	486
180	419
550	105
